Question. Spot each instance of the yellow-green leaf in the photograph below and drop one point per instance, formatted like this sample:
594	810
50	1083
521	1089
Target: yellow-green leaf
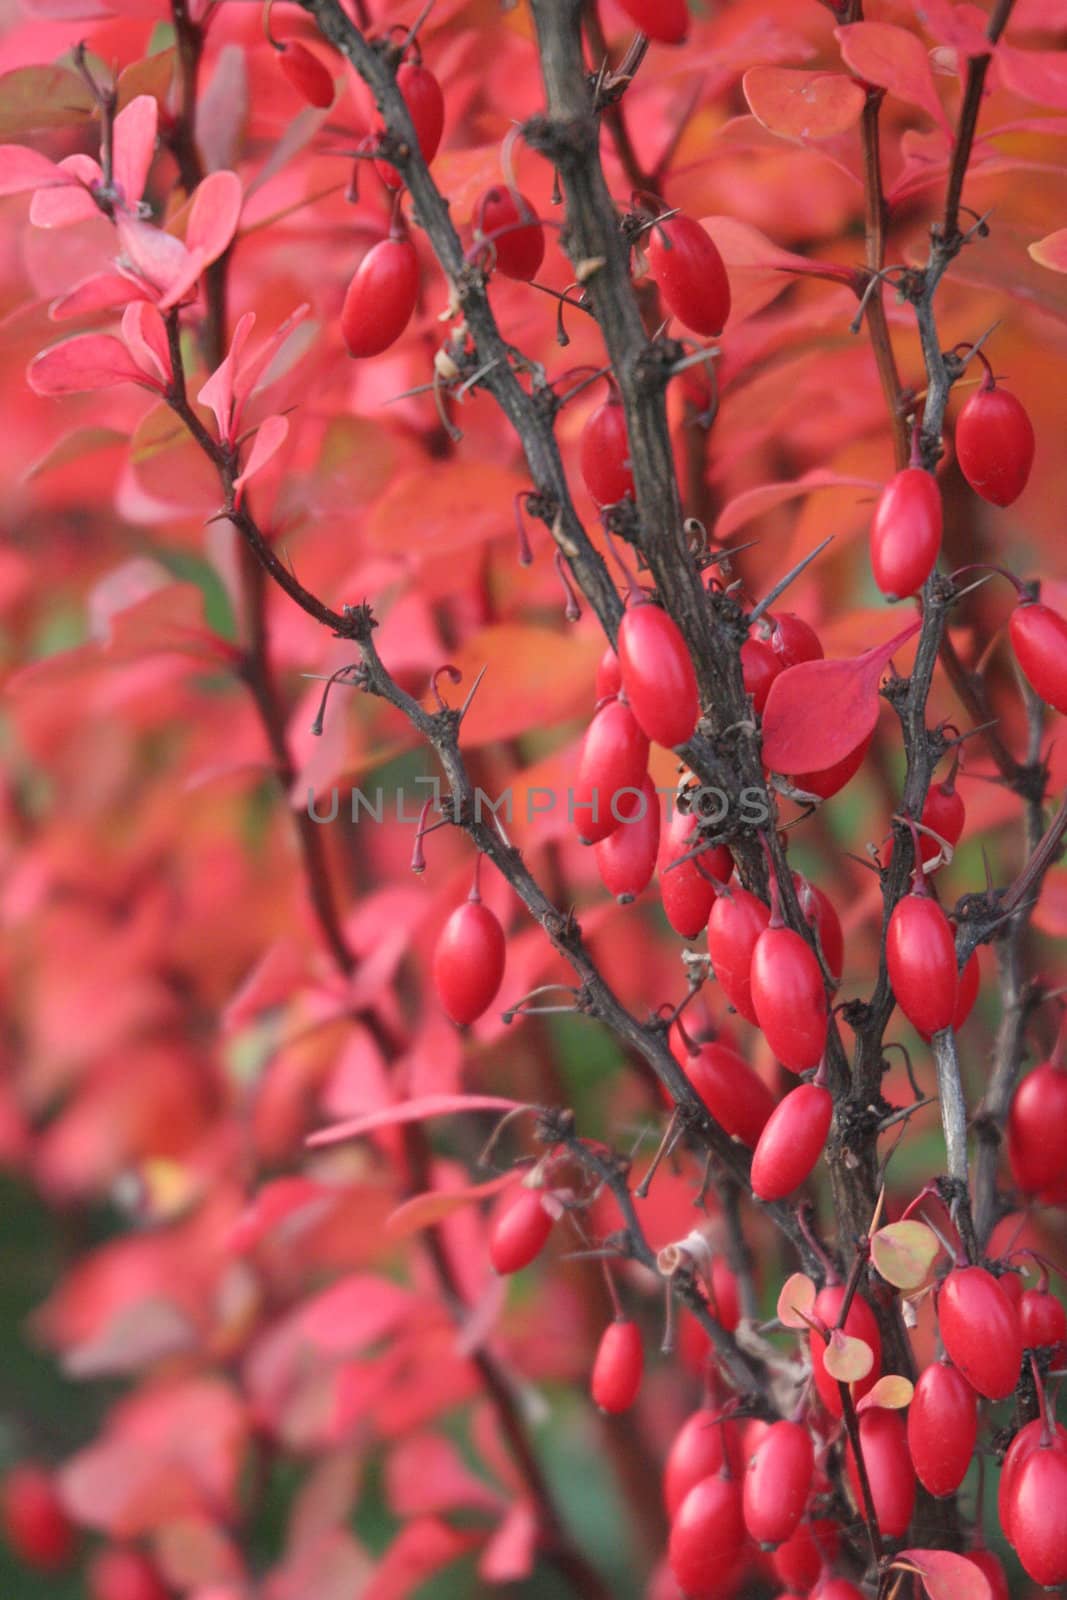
904	1252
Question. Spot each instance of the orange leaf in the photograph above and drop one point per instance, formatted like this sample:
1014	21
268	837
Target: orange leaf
423	1210
803	105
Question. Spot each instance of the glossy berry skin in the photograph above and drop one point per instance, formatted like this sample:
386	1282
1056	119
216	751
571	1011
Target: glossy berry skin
608	676
944	812
1037	1129
666	21
1039	640
735	1095
995	444
697	1453
789	998
118	1574
831	780
989	1565
614	760
604	454
688	270
657	675
778	1482
793	640
1028	1439
512	225
859	1324
892	1478
792	1142
981	1331
799	1561
736	922
308	75
759	668
906	533
969	983
380	299
706	1536
942	1428
519	1232
921	962
1043	1320
620	1361
1038	1529
468	962
820	914
686	893
34	1522
837	1589
426	108
626	859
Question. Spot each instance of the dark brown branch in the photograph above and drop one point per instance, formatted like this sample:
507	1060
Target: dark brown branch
875	219
977	68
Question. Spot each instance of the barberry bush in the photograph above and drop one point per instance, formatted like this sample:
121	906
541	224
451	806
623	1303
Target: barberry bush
534	639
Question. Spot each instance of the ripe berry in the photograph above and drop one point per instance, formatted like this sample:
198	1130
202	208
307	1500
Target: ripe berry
1037	1127
942	1428
519	1232
309	76
995	444
1037	1529
426	108
906	532
921	962
821	915
657	674
697	1453
666	21
889	1470
626	859
980	1331
859	1324
792	1141
736	922
800	1560
836	1589
468	961
608	676
1031	1437
685	889
736	1096
778	1482
789	997
613	762
687	268
35	1524
1039	640
706	1536
793	640
988	1564
118	1574
831	780
604	454
620	1361
1043	1320
759	667
380	299
517	239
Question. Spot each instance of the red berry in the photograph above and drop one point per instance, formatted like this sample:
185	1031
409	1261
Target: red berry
736	922
1037	1129
778	1482
789	997
793	640
980	1331
906	533
921	961
1026	1441
468	961
995	444
792	1141
118	1574
309	76
837	1589
686	893
735	1095
706	1536
821	915
426	108
626	859
759	667
1035	1524
831	780
889	1470
859	1324
508	220
620	1361
800	1560
608	676
1039	640
604	454
666	21
688	270
988	1564
1043	1320
942	1428
611	772
380	300
657	674
725	1295
519	1232
35	1524
697	1453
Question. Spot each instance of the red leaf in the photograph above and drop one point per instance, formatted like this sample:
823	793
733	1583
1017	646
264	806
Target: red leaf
426	1474
752	503
94	361
145	336
1038	75
423	1210
22	170
947	1576
961	26
270	436
418	1551
817	713
213	215
803	105
134	147
431	1105
60	204
509	1556
280	1209
104	291
352	1314
896	60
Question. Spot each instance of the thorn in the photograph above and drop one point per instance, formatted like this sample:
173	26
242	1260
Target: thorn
780	587
465	707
